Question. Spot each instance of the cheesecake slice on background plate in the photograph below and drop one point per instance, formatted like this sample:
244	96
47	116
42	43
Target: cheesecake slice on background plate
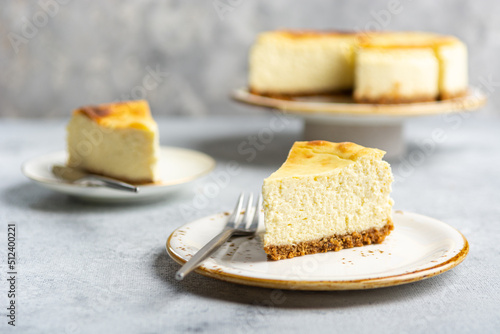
119	140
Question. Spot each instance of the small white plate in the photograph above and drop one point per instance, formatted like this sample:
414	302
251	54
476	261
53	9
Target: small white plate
178	166
419	247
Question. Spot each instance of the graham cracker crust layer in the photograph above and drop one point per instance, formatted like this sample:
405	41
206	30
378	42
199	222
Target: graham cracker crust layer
291	96
449	95
335	243
394	99
358	99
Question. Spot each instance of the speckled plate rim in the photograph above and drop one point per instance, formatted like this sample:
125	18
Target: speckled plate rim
330	285
474	99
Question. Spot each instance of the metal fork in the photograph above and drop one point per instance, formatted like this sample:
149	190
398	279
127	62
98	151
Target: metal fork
237	225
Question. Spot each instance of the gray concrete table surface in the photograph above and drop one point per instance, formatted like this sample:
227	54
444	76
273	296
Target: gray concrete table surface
95	268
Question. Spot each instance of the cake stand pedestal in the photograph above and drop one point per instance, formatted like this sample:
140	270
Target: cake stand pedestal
338	118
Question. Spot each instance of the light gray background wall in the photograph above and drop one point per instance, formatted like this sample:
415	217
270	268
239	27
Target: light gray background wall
86	52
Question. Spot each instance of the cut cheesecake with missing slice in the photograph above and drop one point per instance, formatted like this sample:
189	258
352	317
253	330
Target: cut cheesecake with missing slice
327	196
118	140
373	67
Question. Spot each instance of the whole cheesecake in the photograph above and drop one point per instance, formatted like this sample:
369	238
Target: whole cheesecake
327	196
118	140
376	67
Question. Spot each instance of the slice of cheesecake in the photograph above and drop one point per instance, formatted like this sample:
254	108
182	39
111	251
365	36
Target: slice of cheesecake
118	140
327	196
294	63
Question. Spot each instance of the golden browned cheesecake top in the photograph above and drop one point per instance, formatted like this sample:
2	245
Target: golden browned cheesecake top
298	34
127	114
306	36
315	157
370	39
404	40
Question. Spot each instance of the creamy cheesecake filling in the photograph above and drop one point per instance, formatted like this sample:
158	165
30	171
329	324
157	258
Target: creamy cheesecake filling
409	67
350	199
282	64
453	77
396	75
117	147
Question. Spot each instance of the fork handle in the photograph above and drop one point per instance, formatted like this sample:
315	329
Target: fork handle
203	253
115	184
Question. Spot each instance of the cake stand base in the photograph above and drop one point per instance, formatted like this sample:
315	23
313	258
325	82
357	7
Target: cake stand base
382	136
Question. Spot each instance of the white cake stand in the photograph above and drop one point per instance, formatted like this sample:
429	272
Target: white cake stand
338	118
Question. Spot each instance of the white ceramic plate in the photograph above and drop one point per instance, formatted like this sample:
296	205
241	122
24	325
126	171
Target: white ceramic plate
419	247
178	166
